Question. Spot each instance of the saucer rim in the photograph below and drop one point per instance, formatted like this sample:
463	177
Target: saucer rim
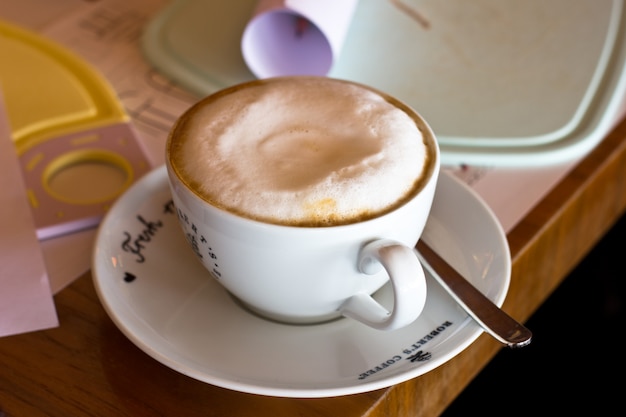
466	333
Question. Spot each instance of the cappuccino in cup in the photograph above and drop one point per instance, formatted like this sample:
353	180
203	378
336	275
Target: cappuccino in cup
302	152
290	189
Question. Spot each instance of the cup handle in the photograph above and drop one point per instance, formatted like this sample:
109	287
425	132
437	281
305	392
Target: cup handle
407	280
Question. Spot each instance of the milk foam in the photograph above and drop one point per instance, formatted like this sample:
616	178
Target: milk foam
306	152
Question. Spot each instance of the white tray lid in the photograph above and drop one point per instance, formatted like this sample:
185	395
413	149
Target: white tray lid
501	82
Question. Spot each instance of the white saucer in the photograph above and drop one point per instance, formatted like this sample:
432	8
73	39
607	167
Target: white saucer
160	296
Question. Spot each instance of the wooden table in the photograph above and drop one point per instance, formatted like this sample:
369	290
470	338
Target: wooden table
87	367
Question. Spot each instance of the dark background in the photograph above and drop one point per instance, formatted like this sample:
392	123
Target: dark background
575	362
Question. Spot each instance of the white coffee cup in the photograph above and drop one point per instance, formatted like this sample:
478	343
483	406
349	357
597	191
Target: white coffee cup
301	271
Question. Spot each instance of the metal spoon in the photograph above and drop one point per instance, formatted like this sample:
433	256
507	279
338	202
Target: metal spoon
489	316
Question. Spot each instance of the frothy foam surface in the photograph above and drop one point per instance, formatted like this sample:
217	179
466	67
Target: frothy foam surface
305	152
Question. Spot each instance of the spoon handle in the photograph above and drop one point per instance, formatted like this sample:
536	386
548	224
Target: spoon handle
488	315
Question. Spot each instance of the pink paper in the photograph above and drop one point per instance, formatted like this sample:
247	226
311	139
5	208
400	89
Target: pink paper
296	37
26	302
